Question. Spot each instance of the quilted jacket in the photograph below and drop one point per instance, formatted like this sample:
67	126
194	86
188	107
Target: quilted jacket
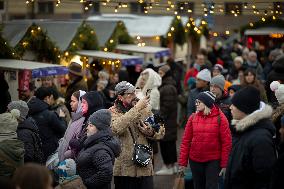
206	138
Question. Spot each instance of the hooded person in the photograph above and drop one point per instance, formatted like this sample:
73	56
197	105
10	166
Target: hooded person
76	82
74	128
203	80
278	112
28	133
149	80
253	154
11	148
91	102
95	161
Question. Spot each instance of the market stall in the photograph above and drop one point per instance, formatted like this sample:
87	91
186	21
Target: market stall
112	60
19	73
150	54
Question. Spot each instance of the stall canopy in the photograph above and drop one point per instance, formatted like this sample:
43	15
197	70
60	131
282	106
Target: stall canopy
144	26
157	51
38	69
264	31
126	60
104	30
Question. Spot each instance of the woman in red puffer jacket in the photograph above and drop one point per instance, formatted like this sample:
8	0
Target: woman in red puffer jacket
206	143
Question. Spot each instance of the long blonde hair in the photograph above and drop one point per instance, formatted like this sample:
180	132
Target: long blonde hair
206	110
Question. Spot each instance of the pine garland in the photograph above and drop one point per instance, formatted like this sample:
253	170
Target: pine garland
178	34
269	22
119	36
85	38
6	51
37	40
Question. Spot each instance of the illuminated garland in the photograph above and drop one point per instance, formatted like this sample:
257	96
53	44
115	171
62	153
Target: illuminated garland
177	32
36	40
271	21
6	51
119	36
85	38
195	31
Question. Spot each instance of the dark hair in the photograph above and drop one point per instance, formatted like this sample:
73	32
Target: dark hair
43	92
54	92
76	94
250	70
32	176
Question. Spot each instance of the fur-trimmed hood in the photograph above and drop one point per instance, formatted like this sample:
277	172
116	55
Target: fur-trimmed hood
265	111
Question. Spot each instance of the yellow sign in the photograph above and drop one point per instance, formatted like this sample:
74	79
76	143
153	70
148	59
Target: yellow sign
276	35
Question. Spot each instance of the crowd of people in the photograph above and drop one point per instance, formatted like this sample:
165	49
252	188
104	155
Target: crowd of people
230	100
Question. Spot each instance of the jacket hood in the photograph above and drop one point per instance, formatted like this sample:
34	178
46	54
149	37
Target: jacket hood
13	148
264	112
105	137
36	105
95	102
28	123
154	80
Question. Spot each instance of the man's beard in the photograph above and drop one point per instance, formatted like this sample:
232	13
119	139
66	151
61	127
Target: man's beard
125	107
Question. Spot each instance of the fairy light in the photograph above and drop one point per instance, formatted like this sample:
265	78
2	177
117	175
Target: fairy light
215	34
263	19
172	29
227	32
251	24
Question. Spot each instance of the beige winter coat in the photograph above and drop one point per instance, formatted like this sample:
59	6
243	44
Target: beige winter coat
123	165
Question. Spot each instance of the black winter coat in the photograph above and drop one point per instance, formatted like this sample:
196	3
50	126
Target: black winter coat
278	170
28	133
51	127
95	161
253	153
168	107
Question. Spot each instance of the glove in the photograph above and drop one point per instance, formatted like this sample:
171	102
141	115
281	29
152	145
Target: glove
181	169
222	173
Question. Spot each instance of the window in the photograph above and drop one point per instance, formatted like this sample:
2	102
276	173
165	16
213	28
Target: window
185	7
233	8
1	5
45	7
278	7
92	7
137	8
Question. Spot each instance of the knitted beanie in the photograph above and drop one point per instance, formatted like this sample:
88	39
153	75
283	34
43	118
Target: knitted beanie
247	99
101	119
20	105
165	68
66	168
207	97
204	75
124	87
278	89
8	121
218	80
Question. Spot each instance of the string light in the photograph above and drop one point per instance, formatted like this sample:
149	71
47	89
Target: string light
263	19
215	34
227	32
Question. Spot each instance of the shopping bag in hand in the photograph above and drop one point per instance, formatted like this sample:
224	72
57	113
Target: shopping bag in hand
179	181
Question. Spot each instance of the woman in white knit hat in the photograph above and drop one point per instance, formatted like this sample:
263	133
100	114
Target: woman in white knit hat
11	149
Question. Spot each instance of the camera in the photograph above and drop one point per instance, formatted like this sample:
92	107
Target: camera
155	121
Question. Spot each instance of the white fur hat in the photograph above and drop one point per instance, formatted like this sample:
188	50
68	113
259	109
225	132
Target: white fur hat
278	89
